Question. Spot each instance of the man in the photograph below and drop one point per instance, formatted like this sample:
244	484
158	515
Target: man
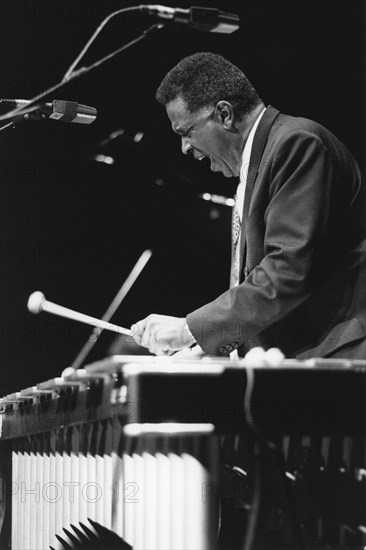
298	274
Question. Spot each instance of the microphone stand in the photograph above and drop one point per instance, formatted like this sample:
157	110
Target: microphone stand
116	302
73	76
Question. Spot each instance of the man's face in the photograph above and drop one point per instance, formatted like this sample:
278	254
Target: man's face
203	135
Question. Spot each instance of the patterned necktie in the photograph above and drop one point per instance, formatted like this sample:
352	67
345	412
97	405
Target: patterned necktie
236	225
235	260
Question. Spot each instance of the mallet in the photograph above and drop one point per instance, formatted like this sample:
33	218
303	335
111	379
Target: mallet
37	302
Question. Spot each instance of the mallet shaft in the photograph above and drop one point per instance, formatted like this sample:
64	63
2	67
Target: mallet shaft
61	311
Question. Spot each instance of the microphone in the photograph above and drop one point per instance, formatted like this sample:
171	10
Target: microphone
202	19
66	111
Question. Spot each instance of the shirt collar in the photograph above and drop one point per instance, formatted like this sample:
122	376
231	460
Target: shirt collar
248	146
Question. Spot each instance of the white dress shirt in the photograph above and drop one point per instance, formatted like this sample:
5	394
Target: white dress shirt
240	192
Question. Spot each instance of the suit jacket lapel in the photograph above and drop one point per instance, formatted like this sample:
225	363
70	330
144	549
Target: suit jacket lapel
259	143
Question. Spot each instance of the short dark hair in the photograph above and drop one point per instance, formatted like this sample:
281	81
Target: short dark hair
203	79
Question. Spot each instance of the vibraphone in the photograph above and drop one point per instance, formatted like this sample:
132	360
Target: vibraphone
132	444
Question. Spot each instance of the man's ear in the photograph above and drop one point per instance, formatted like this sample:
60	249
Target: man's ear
225	114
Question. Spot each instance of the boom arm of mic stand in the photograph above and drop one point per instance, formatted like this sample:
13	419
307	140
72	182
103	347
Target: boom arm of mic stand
84	70
76	74
94	36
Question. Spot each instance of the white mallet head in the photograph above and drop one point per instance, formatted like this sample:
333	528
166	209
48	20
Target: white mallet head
36	301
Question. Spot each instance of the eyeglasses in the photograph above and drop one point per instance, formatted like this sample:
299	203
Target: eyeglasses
198	122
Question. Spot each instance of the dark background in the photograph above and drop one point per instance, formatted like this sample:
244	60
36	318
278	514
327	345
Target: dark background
73	227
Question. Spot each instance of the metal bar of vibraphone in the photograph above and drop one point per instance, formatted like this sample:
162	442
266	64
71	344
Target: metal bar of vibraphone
128	532
45	480
33	486
135	487
118	479
100	488
83	472
89	489
165	473
151	498
176	498
74	477
108	473
66	489
38	527
16	508
52	495
59	482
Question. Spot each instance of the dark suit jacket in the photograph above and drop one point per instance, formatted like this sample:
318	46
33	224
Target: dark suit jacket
303	269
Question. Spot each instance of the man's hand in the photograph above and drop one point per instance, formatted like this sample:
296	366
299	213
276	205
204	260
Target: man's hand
162	334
